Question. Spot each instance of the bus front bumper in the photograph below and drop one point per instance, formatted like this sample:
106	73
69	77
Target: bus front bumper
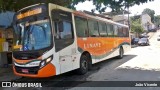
47	71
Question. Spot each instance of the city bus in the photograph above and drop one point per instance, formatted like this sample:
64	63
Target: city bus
50	40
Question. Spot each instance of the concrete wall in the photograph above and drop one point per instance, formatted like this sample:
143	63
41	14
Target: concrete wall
121	19
146	22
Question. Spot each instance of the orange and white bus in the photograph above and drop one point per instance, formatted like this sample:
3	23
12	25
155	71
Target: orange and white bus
50	40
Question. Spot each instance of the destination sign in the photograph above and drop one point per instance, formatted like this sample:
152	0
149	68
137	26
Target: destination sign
29	13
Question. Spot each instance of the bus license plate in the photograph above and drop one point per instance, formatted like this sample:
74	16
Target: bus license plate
25	70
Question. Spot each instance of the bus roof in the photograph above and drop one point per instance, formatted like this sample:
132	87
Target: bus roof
88	15
98	18
79	13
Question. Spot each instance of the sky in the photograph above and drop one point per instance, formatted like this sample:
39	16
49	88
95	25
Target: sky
135	10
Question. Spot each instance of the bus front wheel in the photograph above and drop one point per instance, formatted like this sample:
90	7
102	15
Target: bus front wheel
83	65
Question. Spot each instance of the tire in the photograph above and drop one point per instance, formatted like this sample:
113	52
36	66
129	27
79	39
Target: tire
84	65
121	52
89	62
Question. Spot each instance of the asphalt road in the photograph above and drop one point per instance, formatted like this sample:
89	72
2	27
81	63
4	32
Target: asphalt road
140	64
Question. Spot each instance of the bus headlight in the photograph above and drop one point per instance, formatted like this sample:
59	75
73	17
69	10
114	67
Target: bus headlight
46	61
43	63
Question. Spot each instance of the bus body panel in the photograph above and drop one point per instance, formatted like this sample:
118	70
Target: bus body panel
65	57
102	48
68	58
47	71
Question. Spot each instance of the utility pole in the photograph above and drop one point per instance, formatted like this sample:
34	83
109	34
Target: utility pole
128	16
123	16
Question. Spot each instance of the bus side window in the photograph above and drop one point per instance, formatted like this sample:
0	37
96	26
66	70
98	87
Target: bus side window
115	28
93	28
120	32
110	30
81	26
66	33
126	32
102	29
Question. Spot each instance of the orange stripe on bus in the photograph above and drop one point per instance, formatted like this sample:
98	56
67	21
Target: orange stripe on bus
100	45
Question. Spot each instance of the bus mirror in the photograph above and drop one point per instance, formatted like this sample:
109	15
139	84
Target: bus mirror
60	25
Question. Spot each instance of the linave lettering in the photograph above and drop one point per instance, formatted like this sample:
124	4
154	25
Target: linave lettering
93	45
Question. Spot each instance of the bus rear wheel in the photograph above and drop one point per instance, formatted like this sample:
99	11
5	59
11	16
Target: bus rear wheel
121	52
84	65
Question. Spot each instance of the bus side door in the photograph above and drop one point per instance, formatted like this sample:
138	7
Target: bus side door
63	39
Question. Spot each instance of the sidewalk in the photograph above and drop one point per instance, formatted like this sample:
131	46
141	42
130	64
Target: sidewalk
6	74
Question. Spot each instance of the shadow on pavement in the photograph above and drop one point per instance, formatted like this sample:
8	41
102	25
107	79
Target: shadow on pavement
70	79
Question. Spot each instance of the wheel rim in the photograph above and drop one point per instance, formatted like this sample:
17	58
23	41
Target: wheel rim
84	64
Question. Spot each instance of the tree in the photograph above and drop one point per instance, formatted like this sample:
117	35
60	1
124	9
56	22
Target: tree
115	5
157	20
101	5
136	26
15	5
150	13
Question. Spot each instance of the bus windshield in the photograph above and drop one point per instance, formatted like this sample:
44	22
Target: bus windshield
32	32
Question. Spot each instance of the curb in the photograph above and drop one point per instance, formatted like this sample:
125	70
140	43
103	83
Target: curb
133	46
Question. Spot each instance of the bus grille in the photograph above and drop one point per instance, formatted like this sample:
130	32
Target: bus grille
31	70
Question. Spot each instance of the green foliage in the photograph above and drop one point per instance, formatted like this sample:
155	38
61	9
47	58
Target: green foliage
15	5
101	5
150	13
157	20
115	5
136	26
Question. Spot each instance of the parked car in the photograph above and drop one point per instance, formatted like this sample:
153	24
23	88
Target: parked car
158	38
134	41
144	36
153	30
143	41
